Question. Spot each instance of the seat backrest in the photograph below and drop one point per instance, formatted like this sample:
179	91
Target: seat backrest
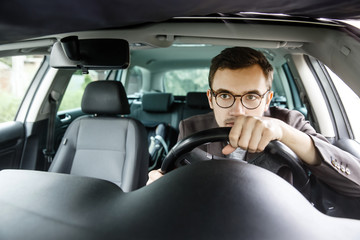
156	108
162	138
104	145
158	111
196	103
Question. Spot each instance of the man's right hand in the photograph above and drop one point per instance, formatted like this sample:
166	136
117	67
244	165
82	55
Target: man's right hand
154	175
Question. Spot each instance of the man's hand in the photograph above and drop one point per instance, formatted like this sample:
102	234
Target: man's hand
253	133
154	175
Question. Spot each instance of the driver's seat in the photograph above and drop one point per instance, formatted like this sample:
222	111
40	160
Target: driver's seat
105	145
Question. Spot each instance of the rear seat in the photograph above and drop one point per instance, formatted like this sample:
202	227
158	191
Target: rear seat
156	108
160	113
195	103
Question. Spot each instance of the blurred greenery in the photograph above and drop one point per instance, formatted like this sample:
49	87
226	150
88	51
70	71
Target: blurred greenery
7	61
74	91
179	82
8	107
71	100
13	85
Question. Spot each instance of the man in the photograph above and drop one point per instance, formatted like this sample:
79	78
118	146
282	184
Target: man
240	93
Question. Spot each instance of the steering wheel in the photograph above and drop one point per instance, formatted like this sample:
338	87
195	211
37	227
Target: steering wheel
276	152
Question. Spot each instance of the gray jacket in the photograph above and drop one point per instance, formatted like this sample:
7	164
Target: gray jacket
338	169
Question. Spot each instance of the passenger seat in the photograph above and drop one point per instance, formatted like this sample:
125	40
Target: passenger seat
102	144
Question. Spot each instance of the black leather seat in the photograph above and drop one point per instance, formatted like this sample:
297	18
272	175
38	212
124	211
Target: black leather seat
196	103
160	116
104	145
155	108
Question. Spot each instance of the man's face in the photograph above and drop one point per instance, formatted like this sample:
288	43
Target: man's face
239	82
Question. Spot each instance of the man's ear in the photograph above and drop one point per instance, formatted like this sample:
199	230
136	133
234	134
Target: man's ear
209	96
269	97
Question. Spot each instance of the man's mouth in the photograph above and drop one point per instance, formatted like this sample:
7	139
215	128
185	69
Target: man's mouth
229	123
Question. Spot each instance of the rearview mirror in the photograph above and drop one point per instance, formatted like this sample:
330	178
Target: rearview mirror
85	54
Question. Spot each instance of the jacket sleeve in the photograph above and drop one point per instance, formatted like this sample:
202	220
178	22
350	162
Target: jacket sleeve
195	124
338	169
181	130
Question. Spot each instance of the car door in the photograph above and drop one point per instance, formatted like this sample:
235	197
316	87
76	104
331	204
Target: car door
342	102
19	76
329	114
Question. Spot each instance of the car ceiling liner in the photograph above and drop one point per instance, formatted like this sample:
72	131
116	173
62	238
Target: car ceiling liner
39	19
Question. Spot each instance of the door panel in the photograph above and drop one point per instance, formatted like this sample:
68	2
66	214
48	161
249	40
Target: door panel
11	144
20	77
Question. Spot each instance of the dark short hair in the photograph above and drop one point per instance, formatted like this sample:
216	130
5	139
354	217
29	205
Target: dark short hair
240	57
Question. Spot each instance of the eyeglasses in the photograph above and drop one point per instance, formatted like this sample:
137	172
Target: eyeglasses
248	100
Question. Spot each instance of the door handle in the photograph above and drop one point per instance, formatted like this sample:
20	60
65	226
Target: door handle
65	117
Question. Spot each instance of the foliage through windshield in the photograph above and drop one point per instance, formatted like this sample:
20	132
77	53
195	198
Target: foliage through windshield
180	82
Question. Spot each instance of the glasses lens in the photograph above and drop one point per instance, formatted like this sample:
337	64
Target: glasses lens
224	100
251	100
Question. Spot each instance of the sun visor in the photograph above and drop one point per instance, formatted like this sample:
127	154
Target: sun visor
85	54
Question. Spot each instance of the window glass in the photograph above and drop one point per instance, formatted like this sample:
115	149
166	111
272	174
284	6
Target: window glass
299	105
16	74
349	99
134	81
279	98
75	89
180	82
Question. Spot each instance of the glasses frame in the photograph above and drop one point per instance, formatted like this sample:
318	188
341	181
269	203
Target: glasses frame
214	93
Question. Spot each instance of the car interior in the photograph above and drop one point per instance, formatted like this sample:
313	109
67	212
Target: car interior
116	117
154	103
160	104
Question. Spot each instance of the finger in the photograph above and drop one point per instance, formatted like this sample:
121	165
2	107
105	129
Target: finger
228	149
153	176
236	131
256	136
246	133
267	136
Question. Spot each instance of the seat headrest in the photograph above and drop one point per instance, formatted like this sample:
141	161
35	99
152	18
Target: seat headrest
157	102
197	100
105	98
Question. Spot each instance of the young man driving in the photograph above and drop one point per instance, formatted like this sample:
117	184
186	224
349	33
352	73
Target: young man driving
240	82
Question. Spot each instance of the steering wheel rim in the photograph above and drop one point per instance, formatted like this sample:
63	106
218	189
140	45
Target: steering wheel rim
300	176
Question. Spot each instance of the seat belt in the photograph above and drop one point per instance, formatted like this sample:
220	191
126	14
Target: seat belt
158	148
49	150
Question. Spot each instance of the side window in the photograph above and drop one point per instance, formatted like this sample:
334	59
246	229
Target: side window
77	84
297	99
279	98
179	82
349	99
16	74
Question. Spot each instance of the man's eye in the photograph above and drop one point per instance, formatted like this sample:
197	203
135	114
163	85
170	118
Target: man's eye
251	97
225	96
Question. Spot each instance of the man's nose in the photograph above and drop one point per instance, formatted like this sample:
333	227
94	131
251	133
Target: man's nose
237	108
